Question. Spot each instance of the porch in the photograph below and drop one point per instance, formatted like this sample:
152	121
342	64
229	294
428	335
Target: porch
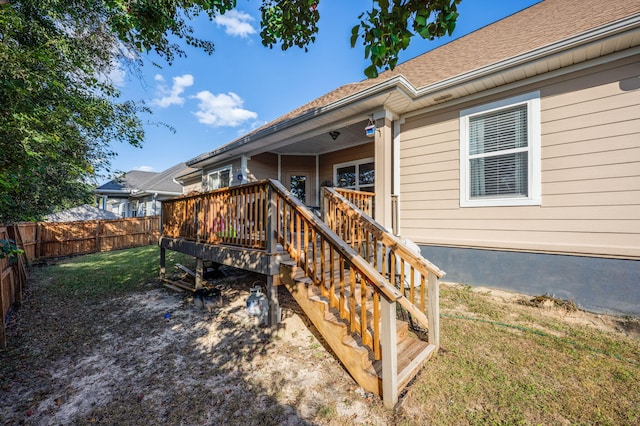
352	278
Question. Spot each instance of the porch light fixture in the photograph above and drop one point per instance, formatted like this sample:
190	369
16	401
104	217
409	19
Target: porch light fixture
370	129
334	134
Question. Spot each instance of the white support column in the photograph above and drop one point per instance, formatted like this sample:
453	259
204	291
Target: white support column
243	169
383	169
396	173
317	180
279	168
388	341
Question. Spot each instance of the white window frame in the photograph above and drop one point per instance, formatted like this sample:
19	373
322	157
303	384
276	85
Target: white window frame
532	100
218	170
357	164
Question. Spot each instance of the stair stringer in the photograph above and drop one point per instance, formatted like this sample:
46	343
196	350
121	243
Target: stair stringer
353	357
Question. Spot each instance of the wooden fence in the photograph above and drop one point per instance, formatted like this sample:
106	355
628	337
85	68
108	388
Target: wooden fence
13	278
46	240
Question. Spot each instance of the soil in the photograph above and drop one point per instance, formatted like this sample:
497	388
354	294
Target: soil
157	357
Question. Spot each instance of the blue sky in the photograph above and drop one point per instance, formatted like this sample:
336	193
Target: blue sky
212	100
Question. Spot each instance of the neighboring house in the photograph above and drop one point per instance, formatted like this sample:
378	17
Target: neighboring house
139	193
511	156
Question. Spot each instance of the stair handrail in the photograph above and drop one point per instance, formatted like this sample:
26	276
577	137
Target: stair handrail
373	276
391	242
418	262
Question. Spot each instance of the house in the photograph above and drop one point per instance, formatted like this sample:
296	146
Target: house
511	155
139	193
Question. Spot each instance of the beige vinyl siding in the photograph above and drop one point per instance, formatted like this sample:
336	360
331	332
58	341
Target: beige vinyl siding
262	166
236	169
355	153
192	185
590	172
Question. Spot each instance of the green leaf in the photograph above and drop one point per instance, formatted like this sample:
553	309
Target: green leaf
371	71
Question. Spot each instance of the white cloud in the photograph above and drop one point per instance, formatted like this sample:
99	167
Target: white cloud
172	96
117	75
236	23
144	168
221	110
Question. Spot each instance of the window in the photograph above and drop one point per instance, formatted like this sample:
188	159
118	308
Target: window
220	178
500	153
358	175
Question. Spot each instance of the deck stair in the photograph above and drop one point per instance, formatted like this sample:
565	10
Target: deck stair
357	358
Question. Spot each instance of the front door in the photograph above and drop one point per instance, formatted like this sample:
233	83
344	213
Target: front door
299	183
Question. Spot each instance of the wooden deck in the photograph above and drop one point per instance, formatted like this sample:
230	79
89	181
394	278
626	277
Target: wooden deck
347	272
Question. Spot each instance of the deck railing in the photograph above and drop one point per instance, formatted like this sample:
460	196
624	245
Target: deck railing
416	277
235	216
361	199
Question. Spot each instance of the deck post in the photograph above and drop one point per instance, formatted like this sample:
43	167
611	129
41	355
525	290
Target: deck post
199	273
163	263
433	314
273	318
388	341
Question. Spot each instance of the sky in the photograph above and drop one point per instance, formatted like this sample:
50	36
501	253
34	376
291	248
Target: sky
211	100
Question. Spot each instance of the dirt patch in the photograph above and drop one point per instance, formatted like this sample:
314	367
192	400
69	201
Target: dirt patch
563	310
156	357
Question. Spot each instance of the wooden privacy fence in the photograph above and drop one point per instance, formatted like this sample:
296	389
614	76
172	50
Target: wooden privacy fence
12	279
59	239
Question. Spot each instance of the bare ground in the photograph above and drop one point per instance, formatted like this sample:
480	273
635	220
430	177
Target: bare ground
153	357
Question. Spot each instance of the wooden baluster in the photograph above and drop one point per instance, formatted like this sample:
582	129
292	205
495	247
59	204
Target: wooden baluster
412	276
422	293
376	323
392	268
313	255
343	308
352	299
307	266
292	218
298	240
402	276
323	271
363	312
333	302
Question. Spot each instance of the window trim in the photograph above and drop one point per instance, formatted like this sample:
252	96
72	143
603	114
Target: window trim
219	169
357	164
532	100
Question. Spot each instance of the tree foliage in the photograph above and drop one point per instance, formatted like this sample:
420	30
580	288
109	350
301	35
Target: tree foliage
59	113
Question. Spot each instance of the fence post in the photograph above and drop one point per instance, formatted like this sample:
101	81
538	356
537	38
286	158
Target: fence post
388	341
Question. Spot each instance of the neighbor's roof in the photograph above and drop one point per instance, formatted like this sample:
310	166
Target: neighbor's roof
163	181
130	181
540	25
136	181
